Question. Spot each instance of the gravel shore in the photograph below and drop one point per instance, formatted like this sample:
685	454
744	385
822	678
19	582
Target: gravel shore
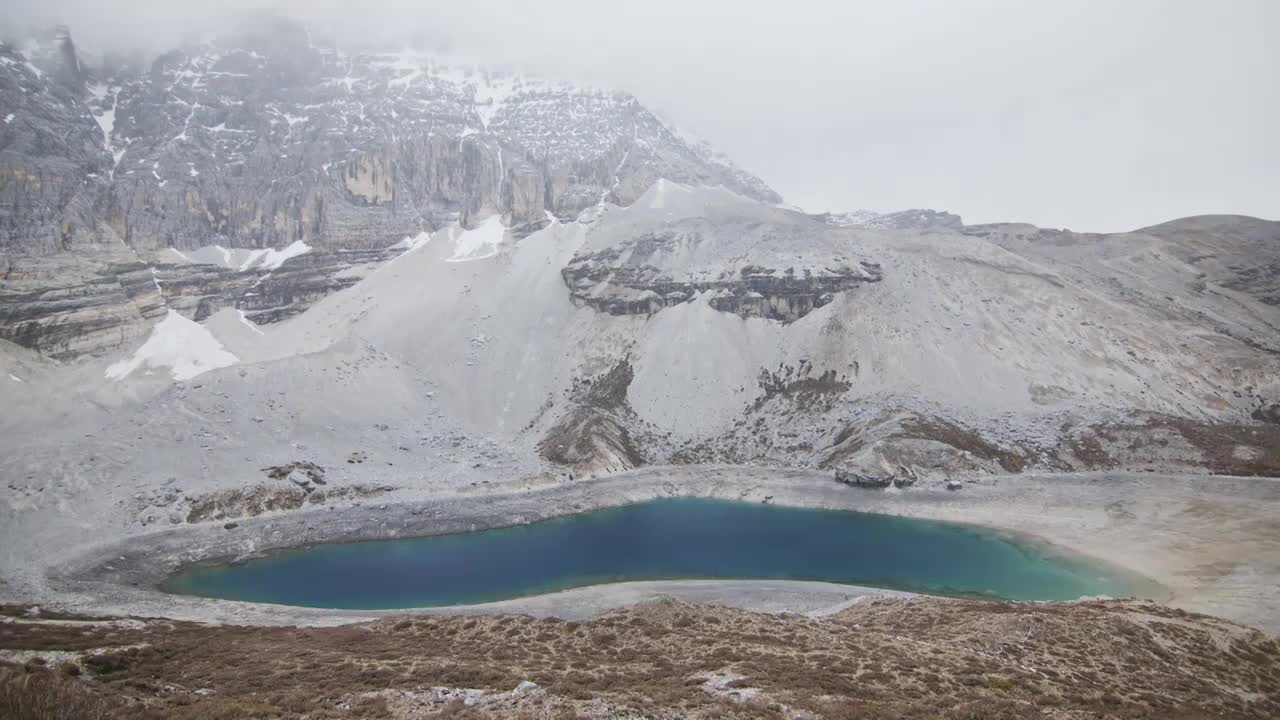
1204	544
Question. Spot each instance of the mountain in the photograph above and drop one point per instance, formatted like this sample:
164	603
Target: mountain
261	140
259	293
587	287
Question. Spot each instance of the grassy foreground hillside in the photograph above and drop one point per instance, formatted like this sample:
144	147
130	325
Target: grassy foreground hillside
883	658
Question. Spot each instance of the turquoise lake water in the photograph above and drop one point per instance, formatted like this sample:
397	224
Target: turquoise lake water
684	538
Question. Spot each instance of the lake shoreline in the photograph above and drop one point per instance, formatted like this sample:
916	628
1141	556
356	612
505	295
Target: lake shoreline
1075	513
664	539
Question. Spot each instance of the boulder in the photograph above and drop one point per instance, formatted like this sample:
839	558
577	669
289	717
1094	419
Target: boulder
1267	413
301	479
848	477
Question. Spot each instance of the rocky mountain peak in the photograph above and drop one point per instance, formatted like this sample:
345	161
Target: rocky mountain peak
261	138
162	177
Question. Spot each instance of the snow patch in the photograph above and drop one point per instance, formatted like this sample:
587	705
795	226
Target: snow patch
271	259
183	346
480	243
107	121
15	378
412	242
8	118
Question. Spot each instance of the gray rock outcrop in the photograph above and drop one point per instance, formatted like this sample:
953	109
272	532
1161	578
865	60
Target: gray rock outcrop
676	244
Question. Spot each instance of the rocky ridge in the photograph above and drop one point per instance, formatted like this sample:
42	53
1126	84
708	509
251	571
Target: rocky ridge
679	243
914	219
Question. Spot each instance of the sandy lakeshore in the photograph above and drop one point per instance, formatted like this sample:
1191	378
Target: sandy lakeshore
1210	543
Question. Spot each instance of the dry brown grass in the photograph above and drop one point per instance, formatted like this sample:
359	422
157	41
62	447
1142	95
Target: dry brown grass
962	438
39	694
961	660
1222	448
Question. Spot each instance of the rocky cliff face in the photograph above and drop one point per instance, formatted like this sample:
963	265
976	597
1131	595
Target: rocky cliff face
263	139
51	154
69	305
677	244
630	279
146	173
65	306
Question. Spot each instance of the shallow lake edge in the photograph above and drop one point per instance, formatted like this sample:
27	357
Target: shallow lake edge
1037	549
125	577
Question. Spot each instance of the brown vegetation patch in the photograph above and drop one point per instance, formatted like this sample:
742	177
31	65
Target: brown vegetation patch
886	658
41	694
607	392
593	435
962	438
258	499
1219	443
588	439
801	388
1154	440
847	443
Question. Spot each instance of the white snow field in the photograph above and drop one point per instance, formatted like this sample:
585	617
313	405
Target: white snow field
183	347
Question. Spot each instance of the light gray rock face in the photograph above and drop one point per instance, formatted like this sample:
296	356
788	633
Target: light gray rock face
74	304
52	160
68	305
1239	253
263	140
1205	270
677	244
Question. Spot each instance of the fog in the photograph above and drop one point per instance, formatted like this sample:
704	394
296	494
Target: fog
1093	115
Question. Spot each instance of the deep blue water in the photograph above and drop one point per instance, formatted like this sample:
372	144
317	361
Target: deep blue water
660	539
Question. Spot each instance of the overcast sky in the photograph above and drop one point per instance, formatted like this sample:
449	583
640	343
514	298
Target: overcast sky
1098	115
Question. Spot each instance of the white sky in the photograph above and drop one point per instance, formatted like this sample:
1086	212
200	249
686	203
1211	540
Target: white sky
1098	115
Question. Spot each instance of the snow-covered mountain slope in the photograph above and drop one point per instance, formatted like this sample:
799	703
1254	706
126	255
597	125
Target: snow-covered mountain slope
474	354
259	251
